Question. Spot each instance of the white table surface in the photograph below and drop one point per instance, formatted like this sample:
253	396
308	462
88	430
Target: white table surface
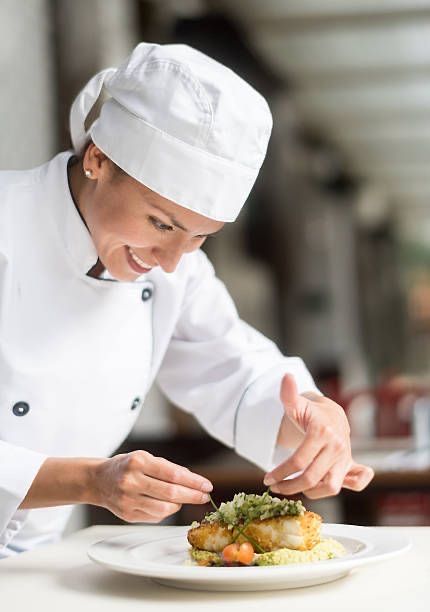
61	578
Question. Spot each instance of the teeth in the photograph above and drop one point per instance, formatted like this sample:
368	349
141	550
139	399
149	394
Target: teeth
137	259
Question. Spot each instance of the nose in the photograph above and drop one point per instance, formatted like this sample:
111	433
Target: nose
168	258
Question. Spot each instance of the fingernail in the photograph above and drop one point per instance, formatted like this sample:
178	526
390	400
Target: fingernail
207	487
275	490
269	480
205	498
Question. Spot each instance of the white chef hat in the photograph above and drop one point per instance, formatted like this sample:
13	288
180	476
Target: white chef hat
182	124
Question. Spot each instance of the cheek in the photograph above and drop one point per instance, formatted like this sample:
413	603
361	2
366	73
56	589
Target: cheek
119	230
196	244
117	221
190	247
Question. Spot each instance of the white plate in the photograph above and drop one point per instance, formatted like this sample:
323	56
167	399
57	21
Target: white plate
166	560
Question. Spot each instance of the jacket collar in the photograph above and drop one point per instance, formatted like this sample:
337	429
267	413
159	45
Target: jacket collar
73	231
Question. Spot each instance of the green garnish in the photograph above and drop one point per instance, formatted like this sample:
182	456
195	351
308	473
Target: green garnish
213	503
254	543
249	507
244	508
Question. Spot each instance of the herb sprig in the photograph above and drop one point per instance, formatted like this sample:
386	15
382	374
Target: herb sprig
255	544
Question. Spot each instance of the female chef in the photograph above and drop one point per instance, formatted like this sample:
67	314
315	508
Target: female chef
104	289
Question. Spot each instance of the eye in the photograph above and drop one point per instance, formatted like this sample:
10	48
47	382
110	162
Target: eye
162	227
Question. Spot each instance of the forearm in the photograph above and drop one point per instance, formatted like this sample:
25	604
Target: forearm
63	481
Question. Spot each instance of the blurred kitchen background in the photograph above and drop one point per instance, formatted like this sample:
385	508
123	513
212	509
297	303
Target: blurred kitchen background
331	256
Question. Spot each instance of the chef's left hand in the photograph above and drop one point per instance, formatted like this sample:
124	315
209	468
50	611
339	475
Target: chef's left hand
324	453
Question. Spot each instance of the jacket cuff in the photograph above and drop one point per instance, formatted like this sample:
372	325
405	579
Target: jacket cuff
18	468
260	413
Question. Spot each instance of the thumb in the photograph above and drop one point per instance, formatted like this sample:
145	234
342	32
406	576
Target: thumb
289	394
296	406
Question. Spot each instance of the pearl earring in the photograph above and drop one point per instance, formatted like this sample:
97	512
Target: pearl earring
88	173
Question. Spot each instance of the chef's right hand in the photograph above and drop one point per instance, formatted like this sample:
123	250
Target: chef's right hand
139	487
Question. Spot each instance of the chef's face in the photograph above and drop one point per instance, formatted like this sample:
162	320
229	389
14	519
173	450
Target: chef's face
133	228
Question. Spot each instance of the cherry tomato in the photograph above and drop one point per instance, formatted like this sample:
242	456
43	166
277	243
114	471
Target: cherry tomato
230	553
246	553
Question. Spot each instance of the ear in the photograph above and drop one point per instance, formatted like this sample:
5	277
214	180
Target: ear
95	160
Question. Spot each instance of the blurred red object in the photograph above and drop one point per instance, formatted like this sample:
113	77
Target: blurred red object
403	508
393	403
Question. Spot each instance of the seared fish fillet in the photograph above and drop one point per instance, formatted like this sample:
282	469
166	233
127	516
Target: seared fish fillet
296	532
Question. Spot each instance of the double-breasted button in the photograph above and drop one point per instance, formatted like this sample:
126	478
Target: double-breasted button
20	408
146	294
135	403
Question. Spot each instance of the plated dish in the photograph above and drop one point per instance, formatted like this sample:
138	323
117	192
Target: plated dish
260	530
164	555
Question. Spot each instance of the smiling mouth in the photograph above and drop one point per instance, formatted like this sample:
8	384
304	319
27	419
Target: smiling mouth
137	264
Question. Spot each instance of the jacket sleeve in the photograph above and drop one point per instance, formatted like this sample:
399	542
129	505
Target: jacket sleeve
226	373
18	468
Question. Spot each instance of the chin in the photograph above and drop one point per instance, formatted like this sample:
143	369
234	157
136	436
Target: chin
124	277
121	275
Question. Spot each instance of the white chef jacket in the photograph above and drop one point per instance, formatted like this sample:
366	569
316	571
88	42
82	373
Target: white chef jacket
78	354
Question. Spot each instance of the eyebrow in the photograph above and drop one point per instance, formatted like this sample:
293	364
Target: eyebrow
179	225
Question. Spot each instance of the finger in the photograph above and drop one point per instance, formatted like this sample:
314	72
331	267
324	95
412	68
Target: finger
142	517
156	507
146	510
358	477
299	461
176	493
139	516
310	477
331	484
162	469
